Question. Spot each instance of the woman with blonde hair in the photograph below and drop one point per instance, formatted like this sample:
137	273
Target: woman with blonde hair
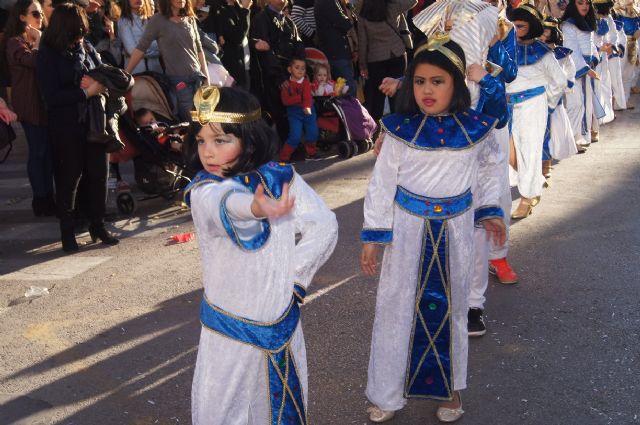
131	25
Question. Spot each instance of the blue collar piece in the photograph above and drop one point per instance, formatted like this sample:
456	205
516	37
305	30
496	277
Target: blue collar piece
603	27
561	52
630	25
618	25
461	130
272	175
531	53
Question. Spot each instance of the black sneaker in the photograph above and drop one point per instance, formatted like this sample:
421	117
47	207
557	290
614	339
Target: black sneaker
475	323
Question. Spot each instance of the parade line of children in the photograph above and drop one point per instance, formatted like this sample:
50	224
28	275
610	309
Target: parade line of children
480	93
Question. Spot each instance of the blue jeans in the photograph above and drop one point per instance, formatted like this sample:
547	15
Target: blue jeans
344	68
182	91
39	163
299	121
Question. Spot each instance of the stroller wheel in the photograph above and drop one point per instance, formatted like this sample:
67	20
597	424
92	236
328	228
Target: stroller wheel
345	150
354	148
126	203
363	146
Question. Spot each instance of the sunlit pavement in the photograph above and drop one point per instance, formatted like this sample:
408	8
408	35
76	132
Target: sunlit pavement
115	339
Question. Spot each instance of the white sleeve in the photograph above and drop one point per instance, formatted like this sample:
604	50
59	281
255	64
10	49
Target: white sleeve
570	34
556	79
378	203
318	228
569	69
488	184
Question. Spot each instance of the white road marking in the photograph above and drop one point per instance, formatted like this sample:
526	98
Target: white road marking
58	269
324	291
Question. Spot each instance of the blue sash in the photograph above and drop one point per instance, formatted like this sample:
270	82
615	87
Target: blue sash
546	144
273	339
429	368
522	96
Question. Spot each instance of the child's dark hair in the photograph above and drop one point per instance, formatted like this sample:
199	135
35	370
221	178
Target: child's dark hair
461	100
527	15
555	35
603	8
584	23
259	142
296	59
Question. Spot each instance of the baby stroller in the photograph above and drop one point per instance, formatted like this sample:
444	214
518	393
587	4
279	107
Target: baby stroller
342	120
160	169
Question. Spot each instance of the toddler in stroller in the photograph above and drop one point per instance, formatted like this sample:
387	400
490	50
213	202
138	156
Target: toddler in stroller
342	119
153	139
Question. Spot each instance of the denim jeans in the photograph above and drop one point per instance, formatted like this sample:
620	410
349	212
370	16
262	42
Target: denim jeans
344	68
39	163
182	91
299	121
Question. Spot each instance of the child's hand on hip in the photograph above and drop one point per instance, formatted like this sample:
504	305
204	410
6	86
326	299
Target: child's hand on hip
263	206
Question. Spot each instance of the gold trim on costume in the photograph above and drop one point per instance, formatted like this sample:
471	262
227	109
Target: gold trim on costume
437	43
206	100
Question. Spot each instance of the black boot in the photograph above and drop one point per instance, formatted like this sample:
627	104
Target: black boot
97	231
68	235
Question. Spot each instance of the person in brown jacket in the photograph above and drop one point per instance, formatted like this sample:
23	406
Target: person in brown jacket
19	52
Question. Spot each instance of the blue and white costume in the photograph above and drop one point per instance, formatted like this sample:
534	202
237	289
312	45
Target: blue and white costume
630	25
580	102
615	67
562	143
502	53
604	34
419	204
251	337
535	91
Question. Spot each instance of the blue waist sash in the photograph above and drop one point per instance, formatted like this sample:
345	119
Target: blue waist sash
429	363
273	339
524	95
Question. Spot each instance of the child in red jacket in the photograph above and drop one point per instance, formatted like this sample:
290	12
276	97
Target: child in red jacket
296	96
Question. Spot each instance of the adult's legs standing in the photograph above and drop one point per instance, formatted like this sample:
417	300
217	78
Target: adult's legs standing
40	168
344	68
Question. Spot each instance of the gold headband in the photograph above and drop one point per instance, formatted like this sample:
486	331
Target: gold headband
206	99
532	10
437	43
550	24
601	1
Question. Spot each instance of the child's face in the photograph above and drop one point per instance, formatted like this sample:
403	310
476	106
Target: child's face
583	7
297	69
146	119
522	28
217	150
432	88
321	75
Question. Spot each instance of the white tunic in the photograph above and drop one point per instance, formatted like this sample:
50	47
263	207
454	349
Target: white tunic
615	69
229	383
530	119
432	173
580	100
603	86
562	144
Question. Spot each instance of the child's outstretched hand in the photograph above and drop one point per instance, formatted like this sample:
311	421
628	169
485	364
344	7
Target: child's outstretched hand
263	206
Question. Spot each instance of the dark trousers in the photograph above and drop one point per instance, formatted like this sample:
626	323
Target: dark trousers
273	105
74	159
378	71
39	164
344	68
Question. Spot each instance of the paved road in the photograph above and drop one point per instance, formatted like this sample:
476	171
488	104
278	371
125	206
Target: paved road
115	340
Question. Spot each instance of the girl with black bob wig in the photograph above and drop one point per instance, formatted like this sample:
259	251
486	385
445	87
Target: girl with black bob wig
461	101
259	142
532	17
583	23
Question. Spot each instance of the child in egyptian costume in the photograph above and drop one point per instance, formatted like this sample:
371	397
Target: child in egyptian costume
559	142
251	366
627	13
419	205
535	91
615	67
583	106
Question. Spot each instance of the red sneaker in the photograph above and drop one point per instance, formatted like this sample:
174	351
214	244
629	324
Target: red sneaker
503	271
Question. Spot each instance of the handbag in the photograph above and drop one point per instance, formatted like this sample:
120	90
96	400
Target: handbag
7	136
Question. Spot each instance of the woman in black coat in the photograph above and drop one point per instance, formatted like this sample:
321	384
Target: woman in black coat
63	62
232	26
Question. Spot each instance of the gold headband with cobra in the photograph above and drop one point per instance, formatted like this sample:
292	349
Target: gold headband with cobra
548	24
206	99
532	10
437	43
